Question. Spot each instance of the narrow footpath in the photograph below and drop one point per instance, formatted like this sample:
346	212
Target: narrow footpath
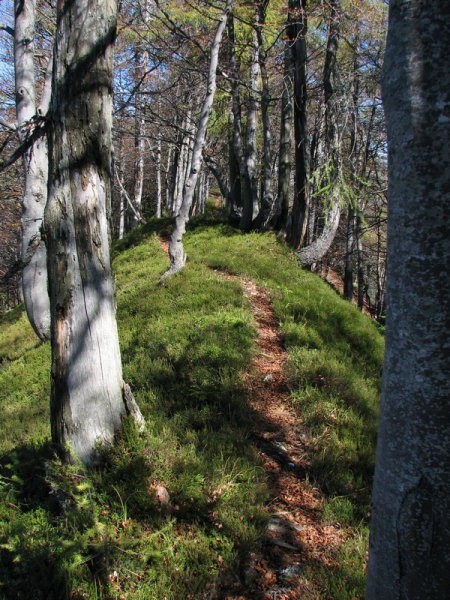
295	532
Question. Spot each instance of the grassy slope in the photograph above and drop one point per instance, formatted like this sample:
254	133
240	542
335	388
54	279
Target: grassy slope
184	346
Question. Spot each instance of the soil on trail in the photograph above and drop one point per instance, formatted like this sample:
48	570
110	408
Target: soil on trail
295	533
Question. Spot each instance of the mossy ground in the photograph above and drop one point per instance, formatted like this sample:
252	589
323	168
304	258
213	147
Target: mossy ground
68	533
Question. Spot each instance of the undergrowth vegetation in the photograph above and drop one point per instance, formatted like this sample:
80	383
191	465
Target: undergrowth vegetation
173	512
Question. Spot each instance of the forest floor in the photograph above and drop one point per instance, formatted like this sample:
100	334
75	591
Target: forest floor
295	528
252	479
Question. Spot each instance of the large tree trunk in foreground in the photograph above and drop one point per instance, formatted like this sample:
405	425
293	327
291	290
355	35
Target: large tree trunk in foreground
409	555
33	252
176	249
87	403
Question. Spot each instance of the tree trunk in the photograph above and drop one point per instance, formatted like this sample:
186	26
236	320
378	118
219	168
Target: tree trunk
240	186
267	198
409	555
176	249
250	208
349	243
284	162
87	403
158	210
35	161
141	59
296	31
315	251
234	197
351	216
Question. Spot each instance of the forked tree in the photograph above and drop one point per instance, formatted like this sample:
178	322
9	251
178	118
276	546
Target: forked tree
87	392
409	554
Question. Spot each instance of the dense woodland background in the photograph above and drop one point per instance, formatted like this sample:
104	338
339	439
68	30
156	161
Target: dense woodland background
223	447
296	138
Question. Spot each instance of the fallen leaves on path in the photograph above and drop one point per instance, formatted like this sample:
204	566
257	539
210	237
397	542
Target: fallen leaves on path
295	531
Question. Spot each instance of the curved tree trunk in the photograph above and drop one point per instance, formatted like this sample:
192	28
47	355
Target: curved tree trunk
176	249
319	247
33	251
87	402
409	554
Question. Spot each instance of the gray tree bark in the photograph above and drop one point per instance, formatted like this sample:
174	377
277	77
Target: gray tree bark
296	31
87	391
239	181
141	59
158	211
33	252
320	246
250	207
176	249
267	197
409	555
284	160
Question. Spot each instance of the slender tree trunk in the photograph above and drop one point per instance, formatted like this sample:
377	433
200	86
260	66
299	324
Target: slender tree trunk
176	249
250	208
409	554
267	198
122	199
35	162
361	291
241	190
233	193
183	157
141	59
168	183
296	31
87	400
315	251
158	179
284	162
351	216
349	243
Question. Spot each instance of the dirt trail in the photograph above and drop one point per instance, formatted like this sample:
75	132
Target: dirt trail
295	532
